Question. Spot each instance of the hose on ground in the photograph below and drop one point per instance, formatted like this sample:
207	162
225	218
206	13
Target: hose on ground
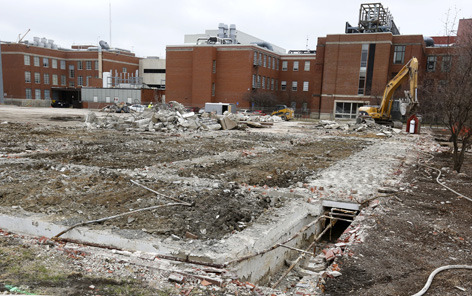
442	184
435	272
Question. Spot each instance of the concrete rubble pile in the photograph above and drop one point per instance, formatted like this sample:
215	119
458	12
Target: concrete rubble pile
165	117
173	117
367	127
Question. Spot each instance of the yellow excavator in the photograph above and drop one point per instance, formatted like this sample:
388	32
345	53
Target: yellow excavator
382	114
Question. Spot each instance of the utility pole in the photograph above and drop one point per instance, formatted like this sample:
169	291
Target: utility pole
2	101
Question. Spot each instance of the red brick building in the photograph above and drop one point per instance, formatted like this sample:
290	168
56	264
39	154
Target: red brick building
44	73
347	71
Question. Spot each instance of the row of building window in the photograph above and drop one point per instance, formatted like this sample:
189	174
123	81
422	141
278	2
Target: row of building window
37	94
295	66
266	61
272	84
54	63
432	61
37	79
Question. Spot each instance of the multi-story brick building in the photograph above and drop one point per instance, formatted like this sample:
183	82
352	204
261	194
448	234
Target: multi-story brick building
346	71
42	71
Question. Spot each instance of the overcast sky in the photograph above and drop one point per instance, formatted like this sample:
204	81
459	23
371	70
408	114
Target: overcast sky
147	26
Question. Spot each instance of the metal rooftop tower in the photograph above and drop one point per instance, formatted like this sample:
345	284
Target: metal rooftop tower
374	18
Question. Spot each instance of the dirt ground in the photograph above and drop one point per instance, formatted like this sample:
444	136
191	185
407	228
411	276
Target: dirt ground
51	164
411	234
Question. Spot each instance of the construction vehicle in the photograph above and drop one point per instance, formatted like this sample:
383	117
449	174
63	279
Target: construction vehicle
382	114
283	112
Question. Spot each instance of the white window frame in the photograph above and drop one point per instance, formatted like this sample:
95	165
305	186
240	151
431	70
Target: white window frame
307	66
36	61
37	94
63	65
37	77
47	94
283	85
46	78
27	77
27	60
306	85
295	65
54	79
284	65
28	93
54	63
45	62
294	85
88	65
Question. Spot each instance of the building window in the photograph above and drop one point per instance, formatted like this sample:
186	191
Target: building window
47	94
276	84
295	66
71	83
213	89
37	94
268	83
273	63
260	59
80	65
307	65
96	65
446	64
268	62
88	65
214	66
71	71
54	63
45	62
258	81
253	80
63	79
277	64
283	85
431	63
46	78
305	85
36	61
27	60
284	65
263	82
88	80
265	60
399	54
28	77
363	69
272	84
294	86
80	80
125	70
28	93
346	109
255	58
54	79
37	78
63	65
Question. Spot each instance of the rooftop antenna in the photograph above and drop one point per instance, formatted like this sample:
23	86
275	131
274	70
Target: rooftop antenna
110	20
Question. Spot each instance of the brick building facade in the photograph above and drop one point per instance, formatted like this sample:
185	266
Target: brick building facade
40	73
348	71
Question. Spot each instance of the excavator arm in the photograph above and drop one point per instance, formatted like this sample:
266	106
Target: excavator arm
410	71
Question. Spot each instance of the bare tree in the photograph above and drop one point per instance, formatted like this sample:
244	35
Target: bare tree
449	97
260	98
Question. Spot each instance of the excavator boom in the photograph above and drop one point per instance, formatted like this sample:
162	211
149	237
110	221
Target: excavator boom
383	113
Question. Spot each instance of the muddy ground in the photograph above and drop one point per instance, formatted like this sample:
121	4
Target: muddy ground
49	163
